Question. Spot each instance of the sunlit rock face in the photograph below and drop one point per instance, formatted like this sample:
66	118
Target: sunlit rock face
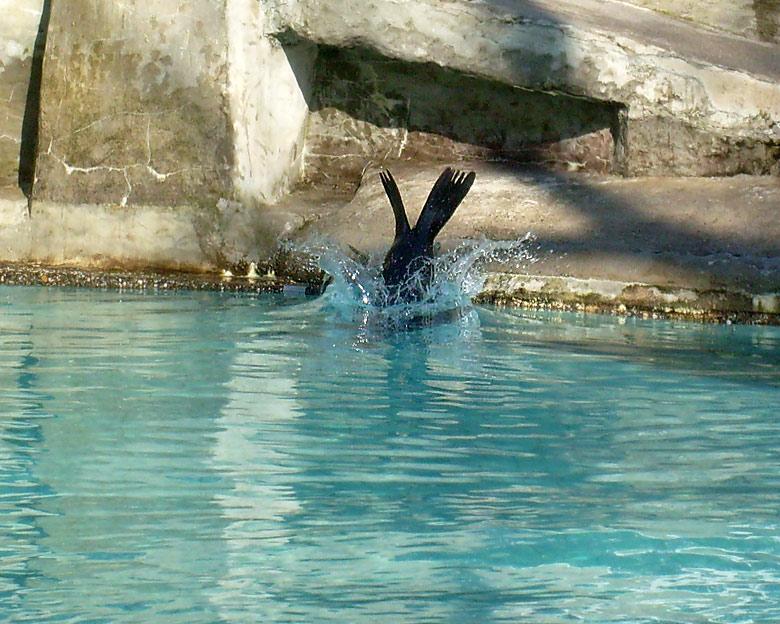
682	100
133	104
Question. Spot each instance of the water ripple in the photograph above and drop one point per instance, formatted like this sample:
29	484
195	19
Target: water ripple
210	458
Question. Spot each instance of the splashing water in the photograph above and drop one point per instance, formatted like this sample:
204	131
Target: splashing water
357	287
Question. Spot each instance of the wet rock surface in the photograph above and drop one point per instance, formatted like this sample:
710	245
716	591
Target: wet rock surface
16	274
500	290
702	233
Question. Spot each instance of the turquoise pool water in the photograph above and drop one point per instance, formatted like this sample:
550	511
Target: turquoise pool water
202	458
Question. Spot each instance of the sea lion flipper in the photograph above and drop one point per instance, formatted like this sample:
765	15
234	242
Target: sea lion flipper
444	198
393	194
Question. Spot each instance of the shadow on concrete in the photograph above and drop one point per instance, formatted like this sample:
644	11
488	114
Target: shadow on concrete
632	231
441	111
28	150
688	251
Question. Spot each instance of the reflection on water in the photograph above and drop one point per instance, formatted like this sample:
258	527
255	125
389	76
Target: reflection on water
205	458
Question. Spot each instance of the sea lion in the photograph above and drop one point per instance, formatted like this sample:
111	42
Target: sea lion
408	266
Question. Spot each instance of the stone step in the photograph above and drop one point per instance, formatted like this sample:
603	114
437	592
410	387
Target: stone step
684	235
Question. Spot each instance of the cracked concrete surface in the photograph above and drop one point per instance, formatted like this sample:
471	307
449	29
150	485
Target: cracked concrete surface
131	105
231	91
124	169
176	103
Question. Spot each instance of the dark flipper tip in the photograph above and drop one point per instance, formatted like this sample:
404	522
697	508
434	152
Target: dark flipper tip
448	192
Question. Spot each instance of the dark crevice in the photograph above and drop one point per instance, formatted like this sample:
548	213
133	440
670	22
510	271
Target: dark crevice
429	98
30	123
446	113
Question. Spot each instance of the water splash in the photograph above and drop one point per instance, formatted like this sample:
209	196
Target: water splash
357	288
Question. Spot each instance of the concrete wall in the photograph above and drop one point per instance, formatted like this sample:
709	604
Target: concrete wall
165	103
268	89
132	104
368	107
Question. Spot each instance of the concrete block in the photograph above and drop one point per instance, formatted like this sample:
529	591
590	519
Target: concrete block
168	103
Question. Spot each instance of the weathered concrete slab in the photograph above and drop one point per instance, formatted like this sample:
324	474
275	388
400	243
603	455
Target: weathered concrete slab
662	28
131	105
672	245
89	235
698	247
697	102
687	232
659	242
201	102
754	19
367	108
617	297
167	103
141	237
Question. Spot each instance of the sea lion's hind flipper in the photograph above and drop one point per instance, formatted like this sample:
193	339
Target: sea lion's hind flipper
391	188
444	198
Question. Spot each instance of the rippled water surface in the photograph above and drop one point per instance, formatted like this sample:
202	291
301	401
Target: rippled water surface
211	458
